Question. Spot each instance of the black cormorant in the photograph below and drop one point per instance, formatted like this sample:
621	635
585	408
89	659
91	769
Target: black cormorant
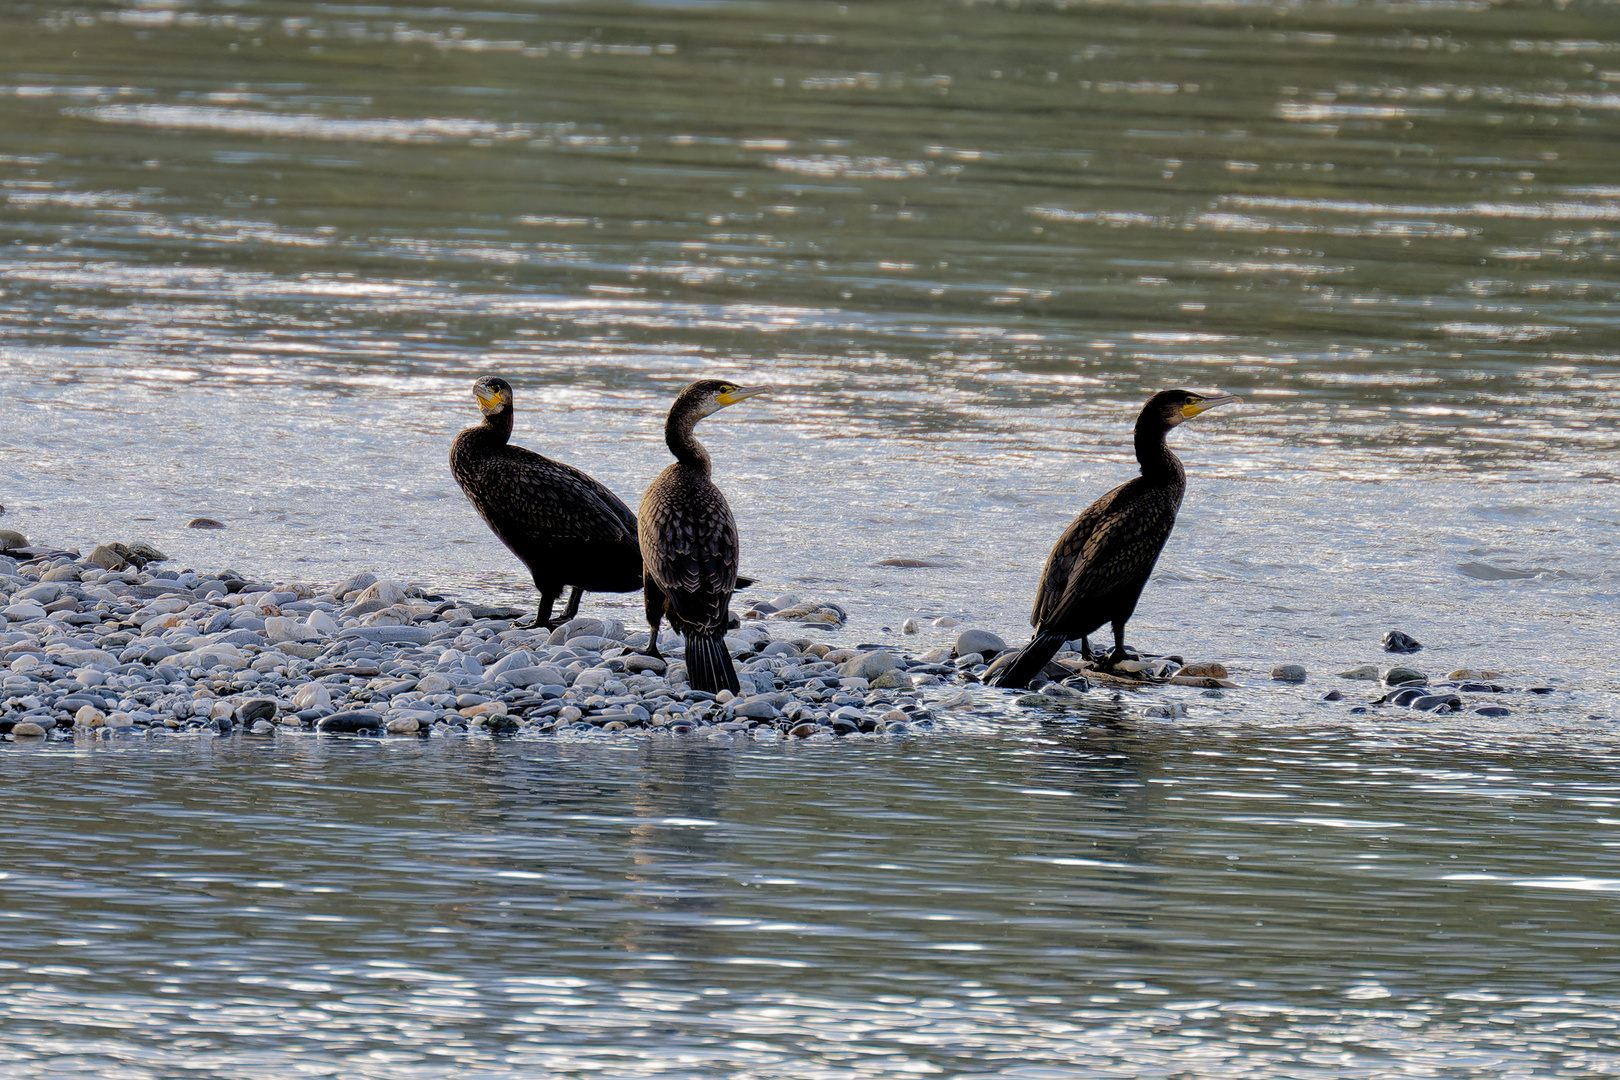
1103	559
567	528
689	541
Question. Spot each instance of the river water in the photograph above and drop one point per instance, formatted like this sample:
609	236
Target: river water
255	253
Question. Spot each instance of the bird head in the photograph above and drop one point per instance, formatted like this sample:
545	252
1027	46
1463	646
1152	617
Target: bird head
493	394
709	396
1172	407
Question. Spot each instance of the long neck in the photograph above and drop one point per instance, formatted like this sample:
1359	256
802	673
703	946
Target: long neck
1153	454
499	426
682	443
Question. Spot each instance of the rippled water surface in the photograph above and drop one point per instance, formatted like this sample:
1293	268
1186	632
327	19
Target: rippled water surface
253	254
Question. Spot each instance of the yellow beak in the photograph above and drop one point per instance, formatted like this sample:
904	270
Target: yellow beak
1190	411
487	400
734	396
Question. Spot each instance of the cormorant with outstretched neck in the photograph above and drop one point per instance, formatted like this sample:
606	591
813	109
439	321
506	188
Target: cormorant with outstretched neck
1103	559
689	541
567	528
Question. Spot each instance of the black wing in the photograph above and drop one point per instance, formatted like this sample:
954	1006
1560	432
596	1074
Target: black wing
689	546
1105	556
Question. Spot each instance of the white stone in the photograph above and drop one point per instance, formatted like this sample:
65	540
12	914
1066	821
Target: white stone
279	628
165	605
909	626
388	592
119	720
434	684
216	655
592	678
321	623
89	716
944	620
24	611
314	695
404	725
25	663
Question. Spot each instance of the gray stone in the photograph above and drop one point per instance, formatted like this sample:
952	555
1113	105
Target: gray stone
869	665
353	584
1397	642
757	708
636	664
204	523
982	642
522	658
261	727
1288	673
537	675
10	538
390	635
1366	672
1397	675
40	594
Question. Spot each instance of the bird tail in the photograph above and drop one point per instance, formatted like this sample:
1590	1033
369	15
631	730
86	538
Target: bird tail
1028	662
708	665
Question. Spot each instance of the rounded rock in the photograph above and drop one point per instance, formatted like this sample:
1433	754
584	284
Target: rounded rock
1398	642
1288	673
204	523
982	642
1395	676
27	729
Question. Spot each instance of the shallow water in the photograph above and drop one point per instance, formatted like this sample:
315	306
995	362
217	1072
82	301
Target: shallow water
255	254
1239	900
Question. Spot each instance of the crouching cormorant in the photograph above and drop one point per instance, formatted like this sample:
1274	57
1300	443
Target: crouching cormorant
689	541
567	528
1103	559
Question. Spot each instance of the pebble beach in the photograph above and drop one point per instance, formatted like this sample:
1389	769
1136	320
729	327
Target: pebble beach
109	644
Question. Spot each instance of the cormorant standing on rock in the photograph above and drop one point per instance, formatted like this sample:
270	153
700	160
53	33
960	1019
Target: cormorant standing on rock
1103	559
567	528
689	541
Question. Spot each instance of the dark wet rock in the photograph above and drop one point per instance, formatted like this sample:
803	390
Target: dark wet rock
982	642
501	724
1492	710
1358	708
1288	673
11	539
350	722
204	523
1481	688
1539	690
1435	702
256	709
1333	695
1401	697
1400	676
1397	642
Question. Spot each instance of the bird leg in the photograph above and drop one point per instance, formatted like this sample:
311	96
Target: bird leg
573	606
654	597
542	616
1119	648
1085	647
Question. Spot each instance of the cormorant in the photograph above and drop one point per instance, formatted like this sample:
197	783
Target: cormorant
567	528
689	541
1103	559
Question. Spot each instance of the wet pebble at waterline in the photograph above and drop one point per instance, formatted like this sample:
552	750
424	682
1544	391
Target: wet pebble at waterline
89	651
